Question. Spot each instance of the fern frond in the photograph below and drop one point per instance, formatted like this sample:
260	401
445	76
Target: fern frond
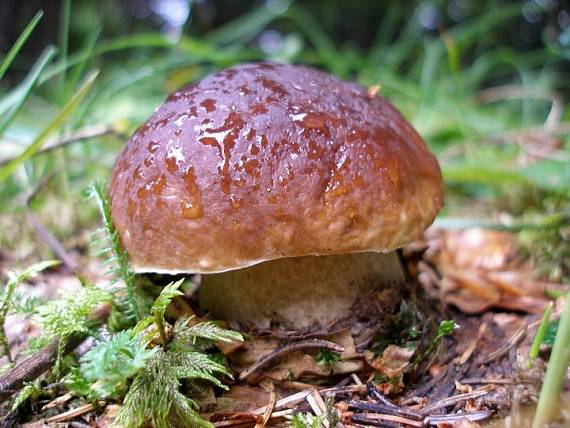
197	365
201	336
8	301
154	393
210	331
165	297
70	314
118	256
110	364
25	305
306	420
31	390
79	384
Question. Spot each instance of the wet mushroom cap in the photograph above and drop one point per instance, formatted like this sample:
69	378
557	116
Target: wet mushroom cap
265	161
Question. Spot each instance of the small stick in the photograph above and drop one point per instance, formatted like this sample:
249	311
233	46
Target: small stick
381	408
450	401
480	415
322	406
29	369
51	241
274	415
356	379
79	135
314	406
269	408
483	381
42	232
58	401
301	396
35	365
513	341
379	397
73	413
292	347
376	419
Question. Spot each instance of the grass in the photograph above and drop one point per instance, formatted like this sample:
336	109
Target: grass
556	372
436	79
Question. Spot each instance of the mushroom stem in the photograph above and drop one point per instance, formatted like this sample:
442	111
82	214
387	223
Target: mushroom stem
299	292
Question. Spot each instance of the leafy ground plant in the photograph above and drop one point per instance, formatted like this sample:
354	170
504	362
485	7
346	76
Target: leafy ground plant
14	303
143	366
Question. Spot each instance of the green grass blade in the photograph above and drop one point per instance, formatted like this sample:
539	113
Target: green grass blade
556	371
482	175
245	27
36	145
319	39
473	30
64	16
78	69
20	94
539	336
20	42
196	48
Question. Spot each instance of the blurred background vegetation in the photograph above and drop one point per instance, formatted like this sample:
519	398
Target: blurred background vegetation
486	83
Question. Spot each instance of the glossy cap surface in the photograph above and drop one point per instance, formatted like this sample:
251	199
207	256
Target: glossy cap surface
264	161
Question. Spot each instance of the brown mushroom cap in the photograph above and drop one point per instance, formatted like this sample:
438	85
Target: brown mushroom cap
265	161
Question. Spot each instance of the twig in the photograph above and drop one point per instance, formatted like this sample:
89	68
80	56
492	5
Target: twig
35	365
31	368
472	346
479	415
269	408
292	347
82	134
513	341
296	334
451	401
376	419
51	241
315	407
356	379
62	399
274	415
384	405
381	408
299	397
73	413
318	400
42	232
483	381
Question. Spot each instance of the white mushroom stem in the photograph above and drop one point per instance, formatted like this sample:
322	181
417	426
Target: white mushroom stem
298	292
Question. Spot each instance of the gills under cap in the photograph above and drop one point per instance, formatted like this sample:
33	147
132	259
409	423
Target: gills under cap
265	161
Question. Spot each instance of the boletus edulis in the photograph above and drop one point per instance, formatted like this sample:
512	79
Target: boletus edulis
288	189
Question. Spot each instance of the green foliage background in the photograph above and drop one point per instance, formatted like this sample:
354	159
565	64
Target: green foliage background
442	78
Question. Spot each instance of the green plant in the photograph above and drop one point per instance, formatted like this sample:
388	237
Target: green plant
30	391
12	302
71	314
136	305
556	371
105	369
147	375
155	391
540	334
158	308
326	357
306	420
446	328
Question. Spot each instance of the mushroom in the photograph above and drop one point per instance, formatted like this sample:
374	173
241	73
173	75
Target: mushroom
288	189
